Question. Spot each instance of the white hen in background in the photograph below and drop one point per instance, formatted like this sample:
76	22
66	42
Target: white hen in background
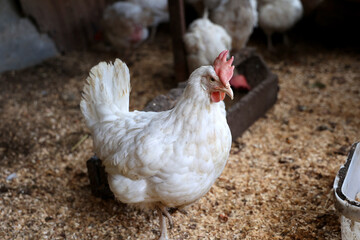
238	17
278	16
158	10
204	41
160	159
125	25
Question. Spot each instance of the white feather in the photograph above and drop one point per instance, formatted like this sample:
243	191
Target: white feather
106	92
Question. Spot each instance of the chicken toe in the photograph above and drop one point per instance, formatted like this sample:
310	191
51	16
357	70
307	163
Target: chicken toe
166	213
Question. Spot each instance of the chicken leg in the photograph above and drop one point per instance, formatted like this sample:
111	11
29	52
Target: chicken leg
162	214
286	40
270	45
153	33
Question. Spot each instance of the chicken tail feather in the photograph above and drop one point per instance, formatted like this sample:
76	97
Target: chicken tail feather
106	92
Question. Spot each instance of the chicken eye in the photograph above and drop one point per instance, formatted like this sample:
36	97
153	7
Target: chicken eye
212	79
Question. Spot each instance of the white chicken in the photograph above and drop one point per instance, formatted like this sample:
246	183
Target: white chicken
158	10
278	16
160	159
238	17
204	41
124	25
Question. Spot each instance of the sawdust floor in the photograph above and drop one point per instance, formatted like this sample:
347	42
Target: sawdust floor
276	185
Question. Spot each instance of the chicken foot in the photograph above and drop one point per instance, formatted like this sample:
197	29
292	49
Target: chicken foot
180	210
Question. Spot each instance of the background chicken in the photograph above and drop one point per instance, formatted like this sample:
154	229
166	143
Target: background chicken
158	10
278	16
204	41
125	25
238	17
160	159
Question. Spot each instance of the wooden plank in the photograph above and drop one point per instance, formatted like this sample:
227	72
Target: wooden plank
72	24
177	26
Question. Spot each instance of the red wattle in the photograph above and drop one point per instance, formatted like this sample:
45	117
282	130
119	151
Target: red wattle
217	96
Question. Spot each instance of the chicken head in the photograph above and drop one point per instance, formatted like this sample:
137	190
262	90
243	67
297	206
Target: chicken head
224	71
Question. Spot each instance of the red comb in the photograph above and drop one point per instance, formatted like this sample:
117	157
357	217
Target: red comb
223	68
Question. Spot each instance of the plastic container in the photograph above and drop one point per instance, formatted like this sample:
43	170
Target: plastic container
347	187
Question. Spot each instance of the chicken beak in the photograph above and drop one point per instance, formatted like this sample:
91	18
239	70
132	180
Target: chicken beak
227	89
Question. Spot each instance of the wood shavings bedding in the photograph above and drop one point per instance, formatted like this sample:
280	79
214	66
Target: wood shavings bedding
276	185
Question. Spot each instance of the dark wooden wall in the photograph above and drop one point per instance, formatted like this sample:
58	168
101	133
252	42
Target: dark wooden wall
72	24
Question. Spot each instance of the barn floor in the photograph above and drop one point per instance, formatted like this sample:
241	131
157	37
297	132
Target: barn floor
276	185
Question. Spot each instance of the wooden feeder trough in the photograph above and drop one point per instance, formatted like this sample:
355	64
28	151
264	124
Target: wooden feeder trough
244	110
347	191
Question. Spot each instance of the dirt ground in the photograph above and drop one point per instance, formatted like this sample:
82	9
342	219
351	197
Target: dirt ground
276	185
